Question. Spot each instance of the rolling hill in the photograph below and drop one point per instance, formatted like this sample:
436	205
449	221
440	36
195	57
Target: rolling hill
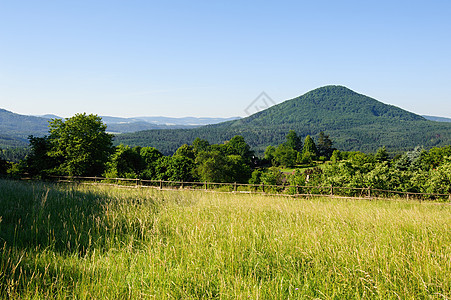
353	121
15	128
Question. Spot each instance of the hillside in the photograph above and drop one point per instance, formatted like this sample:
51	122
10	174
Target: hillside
15	128
353	121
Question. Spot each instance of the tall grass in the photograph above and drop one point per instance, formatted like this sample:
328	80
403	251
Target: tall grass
84	242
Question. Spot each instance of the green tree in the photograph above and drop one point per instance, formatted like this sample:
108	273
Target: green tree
238	146
81	144
200	145
309	151
38	161
185	151
285	156
269	154
125	162
294	141
382	155
324	145
211	166
150	155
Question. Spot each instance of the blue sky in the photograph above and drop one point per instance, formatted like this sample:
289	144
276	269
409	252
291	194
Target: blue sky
210	58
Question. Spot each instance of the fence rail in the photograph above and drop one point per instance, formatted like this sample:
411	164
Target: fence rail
285	190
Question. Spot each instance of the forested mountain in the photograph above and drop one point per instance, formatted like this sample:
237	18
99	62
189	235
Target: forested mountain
15	128
353	121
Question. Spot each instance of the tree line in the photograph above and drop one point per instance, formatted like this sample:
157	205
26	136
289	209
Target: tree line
80	146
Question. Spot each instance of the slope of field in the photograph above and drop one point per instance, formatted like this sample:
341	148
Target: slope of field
81	242
353	121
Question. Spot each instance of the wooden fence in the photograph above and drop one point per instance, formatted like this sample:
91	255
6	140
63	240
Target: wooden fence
283	190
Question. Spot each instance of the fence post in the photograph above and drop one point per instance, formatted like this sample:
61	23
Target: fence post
181	185
234	186
331	190
449	197
407	196
206	187
369	192
161	184
263	187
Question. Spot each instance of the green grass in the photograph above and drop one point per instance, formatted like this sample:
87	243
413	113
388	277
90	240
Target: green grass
88	242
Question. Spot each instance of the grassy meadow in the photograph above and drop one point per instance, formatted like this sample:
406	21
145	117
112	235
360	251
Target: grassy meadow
100	242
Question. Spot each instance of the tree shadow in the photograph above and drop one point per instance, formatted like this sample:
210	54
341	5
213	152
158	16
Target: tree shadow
62	219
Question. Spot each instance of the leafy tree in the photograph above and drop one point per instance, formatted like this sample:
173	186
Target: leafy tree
324	145
285	155
309	147
180	168
382	155
410	160
440	179
211	166
256	177
269	154
272	176
125	162
336	156
81	144
150	155
162	165
200	145
238	169
238	146
185	151
435	157
294	141
38	161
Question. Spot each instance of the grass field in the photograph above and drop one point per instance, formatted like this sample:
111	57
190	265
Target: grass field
88	242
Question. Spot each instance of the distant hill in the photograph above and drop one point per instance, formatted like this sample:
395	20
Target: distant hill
353	121
437	119
123	125
15	128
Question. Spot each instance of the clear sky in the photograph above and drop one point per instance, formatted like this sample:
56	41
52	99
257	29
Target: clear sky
212	58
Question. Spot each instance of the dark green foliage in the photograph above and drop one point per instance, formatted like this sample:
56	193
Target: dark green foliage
355	121
200	145
309	151
285	156
213	166
238	146
4	166
294	141
382	155
186	151
14	154
38	162
125	162
435	157
269	153
324	145
272	176
181	168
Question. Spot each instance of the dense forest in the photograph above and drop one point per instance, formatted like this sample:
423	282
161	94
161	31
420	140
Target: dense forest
357	123
80	146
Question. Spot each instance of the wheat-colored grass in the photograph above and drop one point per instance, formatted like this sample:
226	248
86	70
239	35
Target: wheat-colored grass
89	242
